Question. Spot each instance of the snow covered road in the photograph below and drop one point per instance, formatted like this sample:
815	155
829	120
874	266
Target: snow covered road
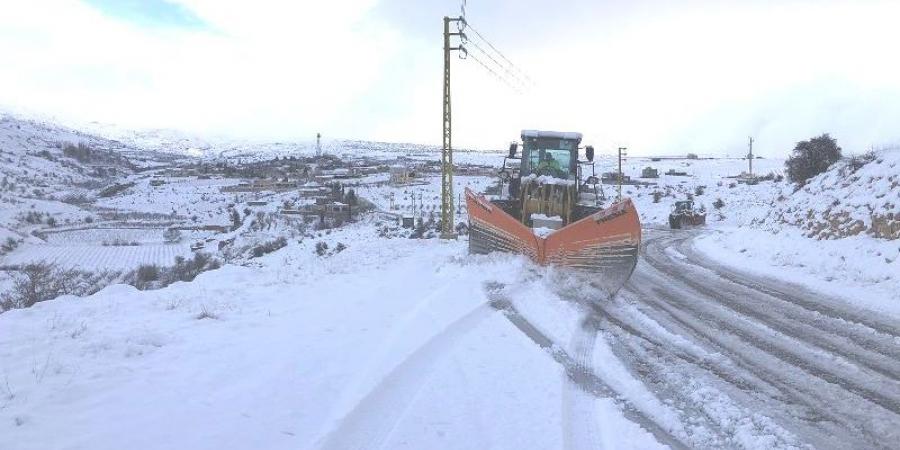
745	358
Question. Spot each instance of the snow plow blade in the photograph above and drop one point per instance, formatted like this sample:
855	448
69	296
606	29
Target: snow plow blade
605	243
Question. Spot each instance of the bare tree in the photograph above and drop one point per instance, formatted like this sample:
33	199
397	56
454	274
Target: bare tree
35	283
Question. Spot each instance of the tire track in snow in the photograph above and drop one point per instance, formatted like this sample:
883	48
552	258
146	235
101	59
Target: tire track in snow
844	402
581	425
871	351
681	378
371	422
587	380
749	322
708	418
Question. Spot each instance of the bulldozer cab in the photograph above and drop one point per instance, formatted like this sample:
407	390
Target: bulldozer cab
684	205
550	153
547	182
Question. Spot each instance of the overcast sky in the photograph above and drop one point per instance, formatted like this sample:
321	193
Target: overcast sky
656	76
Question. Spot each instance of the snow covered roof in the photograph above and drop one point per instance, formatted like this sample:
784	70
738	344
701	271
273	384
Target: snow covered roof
551	134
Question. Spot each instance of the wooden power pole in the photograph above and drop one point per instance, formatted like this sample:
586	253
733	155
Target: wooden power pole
448	230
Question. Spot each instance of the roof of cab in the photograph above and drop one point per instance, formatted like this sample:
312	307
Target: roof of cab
551	134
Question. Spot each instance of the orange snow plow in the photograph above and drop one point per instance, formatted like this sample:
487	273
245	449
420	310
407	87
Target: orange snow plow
553	216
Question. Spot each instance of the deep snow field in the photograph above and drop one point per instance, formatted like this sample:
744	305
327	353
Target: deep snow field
302	348
392	342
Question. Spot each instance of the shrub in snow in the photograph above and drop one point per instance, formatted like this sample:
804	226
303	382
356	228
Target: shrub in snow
172	235
699	190
812	157
236	221
40	282
9	245
269	247
34	217
155	277
321	248
206	313
34	283
718	204
147	273
78	198
857	161
657	196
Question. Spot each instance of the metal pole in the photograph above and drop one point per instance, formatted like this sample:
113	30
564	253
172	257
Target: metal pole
750	157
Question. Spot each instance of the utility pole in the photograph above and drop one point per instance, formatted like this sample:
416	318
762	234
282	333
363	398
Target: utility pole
750	157
318	145
447	222
621	153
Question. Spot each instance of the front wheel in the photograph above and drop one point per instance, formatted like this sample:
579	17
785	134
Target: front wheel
674	223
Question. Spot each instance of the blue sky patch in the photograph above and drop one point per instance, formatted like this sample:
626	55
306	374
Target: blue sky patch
150	13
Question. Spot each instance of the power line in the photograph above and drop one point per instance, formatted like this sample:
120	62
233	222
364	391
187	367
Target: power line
495	74
505	68
469	25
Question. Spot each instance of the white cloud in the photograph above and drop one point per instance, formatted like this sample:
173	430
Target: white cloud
654	77
263	70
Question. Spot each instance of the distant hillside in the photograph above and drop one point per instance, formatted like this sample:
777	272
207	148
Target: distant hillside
857	195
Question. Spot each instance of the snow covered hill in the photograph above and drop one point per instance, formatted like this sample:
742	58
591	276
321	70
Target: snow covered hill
857	195
837	233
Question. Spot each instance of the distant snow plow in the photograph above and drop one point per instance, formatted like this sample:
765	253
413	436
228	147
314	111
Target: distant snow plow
546	211
684	215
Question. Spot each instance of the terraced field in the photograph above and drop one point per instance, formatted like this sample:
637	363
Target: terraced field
98	257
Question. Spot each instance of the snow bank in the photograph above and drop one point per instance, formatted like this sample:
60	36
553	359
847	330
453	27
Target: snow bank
846	200
863	270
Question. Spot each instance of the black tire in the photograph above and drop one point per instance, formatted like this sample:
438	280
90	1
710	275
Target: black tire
674	223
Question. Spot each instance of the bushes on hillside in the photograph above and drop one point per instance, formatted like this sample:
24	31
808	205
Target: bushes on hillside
857	161
80	152
812	157
172	235
269	247
42	281
36	283
9	245
151	276
115	189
